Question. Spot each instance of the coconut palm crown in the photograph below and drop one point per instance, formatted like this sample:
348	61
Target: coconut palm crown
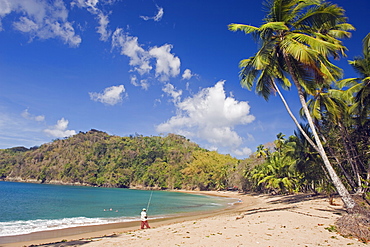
296	40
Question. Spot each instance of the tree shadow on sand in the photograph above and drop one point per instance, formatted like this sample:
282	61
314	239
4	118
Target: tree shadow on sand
74	242
291	199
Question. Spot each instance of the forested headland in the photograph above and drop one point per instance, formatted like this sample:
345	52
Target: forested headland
95	158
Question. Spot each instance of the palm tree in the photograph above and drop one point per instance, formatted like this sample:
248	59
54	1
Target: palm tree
331	109
278	174
362	66
279	142
307	160
262	152
296	39
360	105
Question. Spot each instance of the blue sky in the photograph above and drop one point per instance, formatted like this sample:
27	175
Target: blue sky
139	66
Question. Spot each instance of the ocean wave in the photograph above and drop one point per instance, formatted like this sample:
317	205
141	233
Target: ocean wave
236	201
21	227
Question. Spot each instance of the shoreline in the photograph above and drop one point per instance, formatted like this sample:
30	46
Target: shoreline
96	231
259	220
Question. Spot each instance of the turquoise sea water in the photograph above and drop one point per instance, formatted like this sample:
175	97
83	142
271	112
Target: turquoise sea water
26	208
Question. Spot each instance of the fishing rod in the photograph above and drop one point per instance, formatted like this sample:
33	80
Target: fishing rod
150	199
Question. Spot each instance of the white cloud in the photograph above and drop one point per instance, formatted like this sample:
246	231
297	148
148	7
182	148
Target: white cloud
5	8
60	129
29	116
139	58
142	83
103	20
187	75
211	116
41	19
170	90
26	25
111	95
167	65
65	31
103	27
85	3
157	17
243	152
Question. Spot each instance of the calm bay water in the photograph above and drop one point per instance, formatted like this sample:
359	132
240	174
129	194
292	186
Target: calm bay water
26	208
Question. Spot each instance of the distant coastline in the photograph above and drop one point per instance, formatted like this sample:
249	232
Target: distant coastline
35	181
58	182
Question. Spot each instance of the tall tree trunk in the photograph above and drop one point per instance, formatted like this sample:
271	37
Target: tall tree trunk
353	157
350	181
294	118
351	161
348	177
343	192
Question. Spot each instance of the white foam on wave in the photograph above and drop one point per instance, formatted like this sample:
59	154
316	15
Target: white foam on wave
235	202
214	204
21	227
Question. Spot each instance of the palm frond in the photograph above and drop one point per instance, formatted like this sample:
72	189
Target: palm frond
323	14
264	84
247	77
339	49
349	82
354	90
342	97
300	71
333	106
316	109
340	34
242	27
352	109
265	179
278	10
301	6
321	46
245	62
277	26
360	65
283	81
366	45
299	51
330	72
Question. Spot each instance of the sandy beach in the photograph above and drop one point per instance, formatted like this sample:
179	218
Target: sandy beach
259	220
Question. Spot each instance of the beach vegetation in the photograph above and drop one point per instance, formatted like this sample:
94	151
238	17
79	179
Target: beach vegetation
330	152
297	40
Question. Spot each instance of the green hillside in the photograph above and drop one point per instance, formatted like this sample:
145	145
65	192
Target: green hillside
98	159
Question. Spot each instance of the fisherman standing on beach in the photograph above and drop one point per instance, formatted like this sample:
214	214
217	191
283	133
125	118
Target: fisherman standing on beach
144	219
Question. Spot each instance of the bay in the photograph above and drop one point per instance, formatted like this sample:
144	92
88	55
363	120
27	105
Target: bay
27	207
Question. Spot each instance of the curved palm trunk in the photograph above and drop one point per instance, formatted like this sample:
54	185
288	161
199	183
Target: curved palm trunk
343	192
294	118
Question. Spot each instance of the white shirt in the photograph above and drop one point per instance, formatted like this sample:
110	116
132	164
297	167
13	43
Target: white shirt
143	216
